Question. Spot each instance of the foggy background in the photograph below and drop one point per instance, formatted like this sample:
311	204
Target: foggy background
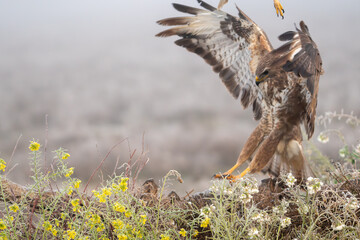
99	73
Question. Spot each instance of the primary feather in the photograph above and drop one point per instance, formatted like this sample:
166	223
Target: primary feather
231	45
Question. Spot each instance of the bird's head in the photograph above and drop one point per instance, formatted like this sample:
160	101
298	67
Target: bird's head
261	76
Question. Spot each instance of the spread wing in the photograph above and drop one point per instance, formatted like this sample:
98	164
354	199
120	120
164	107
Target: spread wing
232	45
304	60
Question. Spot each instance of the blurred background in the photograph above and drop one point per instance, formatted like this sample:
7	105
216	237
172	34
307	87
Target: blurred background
96	69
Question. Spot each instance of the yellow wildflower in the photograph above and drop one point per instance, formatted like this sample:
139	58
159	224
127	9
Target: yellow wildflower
14	207
164	237
34	146
123	184
138	233
118	207
125	179
2	164
76	206
107	191
196	233
47	226
65	156
71	234
143	219
128	227
122	237
96	194
95	218
118	224
75	202
77	183
115	187
205	222
54	232
2	225
102	196
69	172
2	167
100	228
102	199
70	190
182	232
127	214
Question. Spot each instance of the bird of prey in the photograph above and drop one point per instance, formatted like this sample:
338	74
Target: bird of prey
277	5
280	84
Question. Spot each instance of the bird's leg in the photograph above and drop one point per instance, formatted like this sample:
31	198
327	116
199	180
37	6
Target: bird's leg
242	174
279	8
253	142
221	4
264	153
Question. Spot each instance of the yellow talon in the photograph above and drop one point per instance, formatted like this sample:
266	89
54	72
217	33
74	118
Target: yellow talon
279	8
227	175
245	172
233	178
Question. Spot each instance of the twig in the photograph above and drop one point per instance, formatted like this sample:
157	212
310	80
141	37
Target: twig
46	141
116	164
13	152
32	213
129	166
141	164
131	155
138	170
188	193
11	169
102	162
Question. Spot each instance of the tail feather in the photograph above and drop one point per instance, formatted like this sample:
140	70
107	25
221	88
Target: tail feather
289	157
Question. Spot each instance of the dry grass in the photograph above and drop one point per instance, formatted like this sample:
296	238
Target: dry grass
241	210
59	206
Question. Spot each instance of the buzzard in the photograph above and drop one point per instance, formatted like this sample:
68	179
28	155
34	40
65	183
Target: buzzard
281	85
277	5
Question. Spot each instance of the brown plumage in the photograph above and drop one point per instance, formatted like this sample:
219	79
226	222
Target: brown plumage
280	84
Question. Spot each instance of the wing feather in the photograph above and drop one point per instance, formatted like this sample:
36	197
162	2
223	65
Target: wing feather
303	59
233	46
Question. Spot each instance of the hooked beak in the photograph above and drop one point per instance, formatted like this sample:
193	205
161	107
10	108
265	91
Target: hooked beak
259	80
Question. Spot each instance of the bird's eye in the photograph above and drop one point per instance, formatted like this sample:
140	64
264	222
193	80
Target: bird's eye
266	72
